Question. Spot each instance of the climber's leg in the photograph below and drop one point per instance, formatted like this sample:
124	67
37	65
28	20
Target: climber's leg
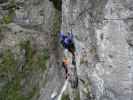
71	49
66	70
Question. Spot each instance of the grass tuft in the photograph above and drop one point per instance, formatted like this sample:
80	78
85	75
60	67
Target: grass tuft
65	97
7	19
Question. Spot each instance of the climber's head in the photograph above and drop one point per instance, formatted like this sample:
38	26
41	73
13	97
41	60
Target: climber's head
66	39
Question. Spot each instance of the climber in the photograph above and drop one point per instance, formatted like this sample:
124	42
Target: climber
68	43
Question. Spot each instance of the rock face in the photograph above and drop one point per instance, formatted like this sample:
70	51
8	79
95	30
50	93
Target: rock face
103	38
31	56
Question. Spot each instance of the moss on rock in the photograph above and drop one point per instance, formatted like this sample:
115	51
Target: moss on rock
65	97
8	63
56	23
12	90
34	59
11	7
7	19
35	62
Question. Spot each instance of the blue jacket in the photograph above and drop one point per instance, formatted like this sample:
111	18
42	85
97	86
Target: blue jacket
66	40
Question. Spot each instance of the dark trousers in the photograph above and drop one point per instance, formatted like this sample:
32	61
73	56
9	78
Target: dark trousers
71	48
65	67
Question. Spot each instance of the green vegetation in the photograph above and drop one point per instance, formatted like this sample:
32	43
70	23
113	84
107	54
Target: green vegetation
56	23
56	18
11	11
88	92
12	91
65	97
78	96
12	7
7	19
55	28
8	63
29	53
34	59
35	62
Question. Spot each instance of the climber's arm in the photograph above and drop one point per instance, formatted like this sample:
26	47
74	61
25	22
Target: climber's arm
62	35
70	34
